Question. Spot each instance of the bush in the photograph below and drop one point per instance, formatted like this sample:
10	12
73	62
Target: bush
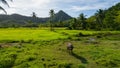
31	58
69	38
99	36
65	65
79	34
6	63
81	66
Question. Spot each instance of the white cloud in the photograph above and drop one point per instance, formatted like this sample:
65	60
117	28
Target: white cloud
89	7
26	7
42	7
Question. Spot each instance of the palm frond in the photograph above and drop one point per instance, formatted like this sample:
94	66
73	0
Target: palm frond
5	2
3	9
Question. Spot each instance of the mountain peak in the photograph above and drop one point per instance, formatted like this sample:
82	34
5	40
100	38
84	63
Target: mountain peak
61	16
61	11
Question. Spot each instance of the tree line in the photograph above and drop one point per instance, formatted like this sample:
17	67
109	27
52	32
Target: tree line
108	19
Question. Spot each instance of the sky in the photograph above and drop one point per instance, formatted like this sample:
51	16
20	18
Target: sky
71	7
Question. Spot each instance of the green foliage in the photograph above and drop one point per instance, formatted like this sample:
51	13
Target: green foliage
82	20
73	24
30	24
106	19
79	23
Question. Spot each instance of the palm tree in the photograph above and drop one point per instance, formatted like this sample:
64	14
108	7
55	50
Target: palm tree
51	18
82	20
6	3
34	15
100	15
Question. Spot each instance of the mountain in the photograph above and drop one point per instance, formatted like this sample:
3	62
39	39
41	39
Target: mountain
61	16
20	19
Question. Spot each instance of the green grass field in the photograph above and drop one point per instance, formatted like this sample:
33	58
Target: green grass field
42	48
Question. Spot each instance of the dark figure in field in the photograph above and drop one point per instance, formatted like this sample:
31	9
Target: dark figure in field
70	47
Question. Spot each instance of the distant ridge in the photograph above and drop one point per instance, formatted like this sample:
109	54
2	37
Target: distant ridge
21	19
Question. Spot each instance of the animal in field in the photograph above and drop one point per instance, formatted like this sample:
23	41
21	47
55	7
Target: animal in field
70	47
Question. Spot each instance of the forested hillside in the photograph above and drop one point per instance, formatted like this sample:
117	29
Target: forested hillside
103	19
106	19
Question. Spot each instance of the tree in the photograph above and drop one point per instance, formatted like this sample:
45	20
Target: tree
82	20
73	24
100	15
52	13
91	23
34	18
109	20
6	3
34	15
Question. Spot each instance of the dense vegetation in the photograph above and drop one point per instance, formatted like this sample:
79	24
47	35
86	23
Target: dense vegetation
108	19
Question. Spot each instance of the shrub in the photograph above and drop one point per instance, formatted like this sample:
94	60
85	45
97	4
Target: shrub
79	34
31	58
65	65
81	66
6	63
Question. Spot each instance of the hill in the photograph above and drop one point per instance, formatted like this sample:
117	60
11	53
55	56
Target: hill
106	19
17	19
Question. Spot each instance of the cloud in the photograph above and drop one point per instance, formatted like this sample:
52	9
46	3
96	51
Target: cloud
89	7
42	7
26	7
93	5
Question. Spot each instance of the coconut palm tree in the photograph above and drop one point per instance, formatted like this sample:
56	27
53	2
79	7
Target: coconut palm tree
100	15
52	13
82	19
6	3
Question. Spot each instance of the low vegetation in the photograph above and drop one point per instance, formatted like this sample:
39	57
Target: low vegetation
42	48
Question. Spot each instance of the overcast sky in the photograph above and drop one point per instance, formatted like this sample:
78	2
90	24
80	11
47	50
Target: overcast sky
72	7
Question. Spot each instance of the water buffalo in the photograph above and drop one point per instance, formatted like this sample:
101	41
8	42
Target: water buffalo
70	47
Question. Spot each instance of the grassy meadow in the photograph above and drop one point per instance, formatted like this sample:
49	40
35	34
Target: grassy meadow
42	48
